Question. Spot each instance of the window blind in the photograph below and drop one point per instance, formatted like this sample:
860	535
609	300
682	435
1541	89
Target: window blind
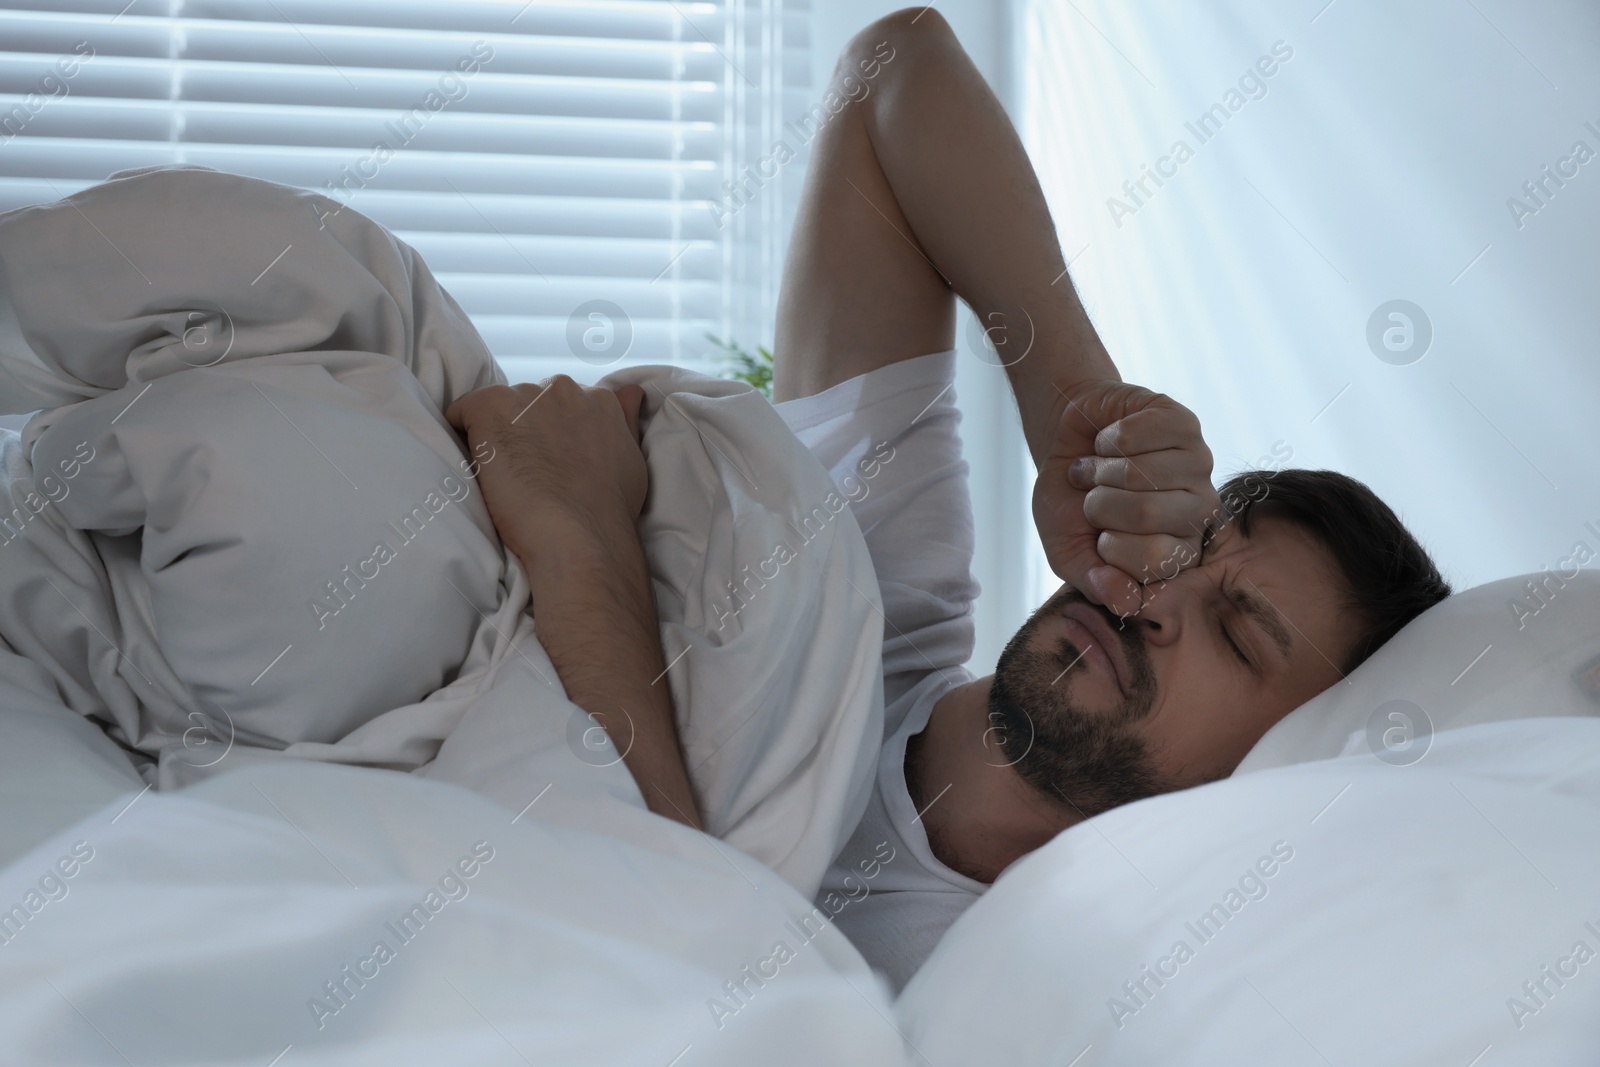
570	170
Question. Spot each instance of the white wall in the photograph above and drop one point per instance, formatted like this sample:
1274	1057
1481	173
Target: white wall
1008	563
1379	164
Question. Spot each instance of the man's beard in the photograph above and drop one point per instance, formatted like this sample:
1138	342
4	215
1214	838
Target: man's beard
1090	760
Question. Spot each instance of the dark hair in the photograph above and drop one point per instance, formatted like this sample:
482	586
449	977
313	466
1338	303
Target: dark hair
1389	577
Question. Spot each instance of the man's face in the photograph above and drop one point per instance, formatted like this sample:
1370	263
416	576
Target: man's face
1097	712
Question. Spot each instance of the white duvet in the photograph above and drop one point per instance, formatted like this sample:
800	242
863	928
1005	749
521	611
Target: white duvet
297	913
240	529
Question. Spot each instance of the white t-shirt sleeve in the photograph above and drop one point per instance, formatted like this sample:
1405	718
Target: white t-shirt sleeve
889	439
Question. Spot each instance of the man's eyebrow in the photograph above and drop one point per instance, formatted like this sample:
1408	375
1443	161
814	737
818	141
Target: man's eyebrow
1265	616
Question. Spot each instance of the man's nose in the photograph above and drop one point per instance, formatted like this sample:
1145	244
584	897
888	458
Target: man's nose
1162	616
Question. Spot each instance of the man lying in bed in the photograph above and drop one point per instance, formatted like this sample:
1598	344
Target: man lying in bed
1112	691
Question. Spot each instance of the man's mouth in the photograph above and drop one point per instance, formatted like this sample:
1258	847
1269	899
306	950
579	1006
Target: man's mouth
1097	641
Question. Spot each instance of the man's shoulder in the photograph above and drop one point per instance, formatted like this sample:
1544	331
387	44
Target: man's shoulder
888	840
889	440
871	395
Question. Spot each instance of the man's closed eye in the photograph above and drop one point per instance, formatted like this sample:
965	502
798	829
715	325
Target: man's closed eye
1234	645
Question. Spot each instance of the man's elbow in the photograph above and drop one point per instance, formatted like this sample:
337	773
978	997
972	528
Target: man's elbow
913	27
898	37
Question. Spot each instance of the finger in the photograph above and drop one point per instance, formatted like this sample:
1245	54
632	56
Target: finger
455	413
523	396
1114	590
1083	569
1175	511
1163	424
631	397
1148	557
552	393
1171	468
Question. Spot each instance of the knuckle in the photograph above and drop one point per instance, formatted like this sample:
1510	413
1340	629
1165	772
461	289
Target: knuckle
1149	480
1160	558
1165	557
1143	510
1094	504
1117	543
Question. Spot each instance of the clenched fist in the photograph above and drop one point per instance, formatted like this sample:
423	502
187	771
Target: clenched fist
1124	491
566	462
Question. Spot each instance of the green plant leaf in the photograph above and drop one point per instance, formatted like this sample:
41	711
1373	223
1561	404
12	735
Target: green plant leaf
754	370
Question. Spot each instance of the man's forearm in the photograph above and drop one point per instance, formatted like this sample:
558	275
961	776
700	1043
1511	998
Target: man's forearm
965	185
595	616
919	191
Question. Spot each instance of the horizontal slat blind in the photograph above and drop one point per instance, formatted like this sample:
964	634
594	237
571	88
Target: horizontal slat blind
541	156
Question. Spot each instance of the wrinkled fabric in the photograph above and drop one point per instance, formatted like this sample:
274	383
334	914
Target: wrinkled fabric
240	528
322	914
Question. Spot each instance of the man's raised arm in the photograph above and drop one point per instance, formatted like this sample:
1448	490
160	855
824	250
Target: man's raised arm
919	192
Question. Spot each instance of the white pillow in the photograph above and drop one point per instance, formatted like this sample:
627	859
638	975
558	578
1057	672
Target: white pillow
1337	912
1514	648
